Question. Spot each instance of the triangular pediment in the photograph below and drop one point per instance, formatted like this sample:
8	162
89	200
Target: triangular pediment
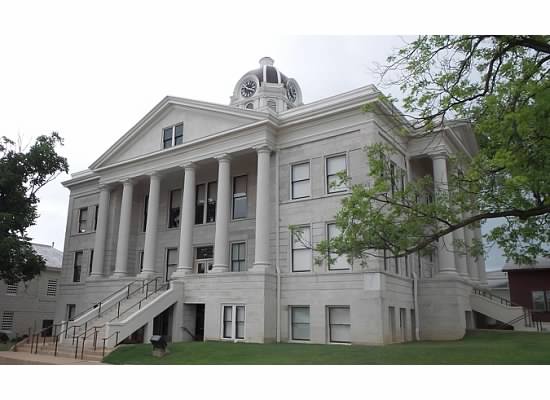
200	119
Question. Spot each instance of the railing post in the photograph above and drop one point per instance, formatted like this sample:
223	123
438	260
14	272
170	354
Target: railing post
116	339
32	342
82	352
95	338
118	310
36	346
147	291
99	311
156	284
55	350
76	349
128	295
104	339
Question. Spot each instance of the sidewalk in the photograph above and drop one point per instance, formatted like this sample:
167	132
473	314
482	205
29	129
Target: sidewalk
25	358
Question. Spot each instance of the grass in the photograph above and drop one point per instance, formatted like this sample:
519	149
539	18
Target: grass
476	348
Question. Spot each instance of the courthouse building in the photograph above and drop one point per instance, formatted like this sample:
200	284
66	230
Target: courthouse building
181	227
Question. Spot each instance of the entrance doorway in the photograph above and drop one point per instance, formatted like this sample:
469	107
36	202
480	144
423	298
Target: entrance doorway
199	323
204	259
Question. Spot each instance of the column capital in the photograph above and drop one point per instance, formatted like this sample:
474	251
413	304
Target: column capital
224	157
189	165
105	186
439	156
154	173
263	148
128	181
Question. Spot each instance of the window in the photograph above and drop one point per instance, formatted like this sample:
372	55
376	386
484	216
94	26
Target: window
140	260
51	289
171	262
397	178
335	166
175	202
77	266
204	259
272	104
70	311
299	323
301	249
232	330
7	320
238	257
339	325
541	302
47	328
11	289
339	262
172	136
145	209
300	181
96	212
249	106
205	204
239	197
91	262
82	220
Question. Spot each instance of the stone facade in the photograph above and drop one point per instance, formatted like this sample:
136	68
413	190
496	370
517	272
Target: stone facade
257	284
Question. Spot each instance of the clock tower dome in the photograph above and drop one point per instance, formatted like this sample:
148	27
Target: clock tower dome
266	88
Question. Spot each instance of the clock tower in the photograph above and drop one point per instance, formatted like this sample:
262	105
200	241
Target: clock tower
266	89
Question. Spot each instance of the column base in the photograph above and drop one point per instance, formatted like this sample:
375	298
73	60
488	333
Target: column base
260	267
146	275
216	269
448	272
95	277
119	275
181	272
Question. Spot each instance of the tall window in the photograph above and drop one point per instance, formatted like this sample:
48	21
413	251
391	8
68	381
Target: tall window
335	166
140	260
175	202
172	136
7	320
240	207
541	300
145	209
301	249
238	257
339	324
51	289
96	212
397	177
91	261
300	181
233	322
299	323
70	312
205	204
77	266
11	289
339	262
83	220
171	262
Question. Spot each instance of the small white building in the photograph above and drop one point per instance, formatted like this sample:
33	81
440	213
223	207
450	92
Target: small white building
30	306
200	196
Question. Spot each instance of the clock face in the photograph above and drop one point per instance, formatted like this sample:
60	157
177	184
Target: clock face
248	88
291	92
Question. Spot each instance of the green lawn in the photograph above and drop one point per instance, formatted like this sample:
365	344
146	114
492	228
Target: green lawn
476	348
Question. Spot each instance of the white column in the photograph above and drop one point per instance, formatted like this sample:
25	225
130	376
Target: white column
101	232
460	256
480	261
151	229
470	260
446	258
223	214
121	262
263	208
187	220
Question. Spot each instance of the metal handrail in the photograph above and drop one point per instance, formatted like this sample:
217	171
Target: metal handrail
138	303
492	296
107	338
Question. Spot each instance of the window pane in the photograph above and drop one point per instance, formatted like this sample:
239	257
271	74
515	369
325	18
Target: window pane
78	258
178	136
339	262
340	333
301	260
538	301
211	202
175	201
301	239
172	257
335	184
300	331
239	334
239	185
300	315
167	137
239	207
240	313
339	315
548	300
336	164
205	252
300	189
300	172
227	329
200	195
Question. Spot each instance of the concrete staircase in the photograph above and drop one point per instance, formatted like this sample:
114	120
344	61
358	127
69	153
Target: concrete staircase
63	350
502	310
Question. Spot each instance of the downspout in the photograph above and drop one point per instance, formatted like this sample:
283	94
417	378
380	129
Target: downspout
277	250
415	277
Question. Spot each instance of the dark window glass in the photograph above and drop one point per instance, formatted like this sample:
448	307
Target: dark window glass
167	137
238	257
82	220
175	201
171	262
538	301
71	310
240	206
95	216
205	252
227	322
300	323
178	134
239	328
91	261
211	202
145	206
141	261
199	204
77	266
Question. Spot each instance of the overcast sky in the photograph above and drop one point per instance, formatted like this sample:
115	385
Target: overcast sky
92	73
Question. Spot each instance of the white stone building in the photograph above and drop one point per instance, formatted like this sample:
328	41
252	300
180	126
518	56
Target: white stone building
30	306
202	195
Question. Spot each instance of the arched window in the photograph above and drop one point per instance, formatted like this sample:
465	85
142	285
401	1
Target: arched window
249	106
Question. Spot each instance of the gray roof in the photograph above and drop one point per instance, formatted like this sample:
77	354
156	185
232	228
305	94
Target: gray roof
53	257
542	263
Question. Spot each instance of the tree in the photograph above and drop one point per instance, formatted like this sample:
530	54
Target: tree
501	85
22	174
